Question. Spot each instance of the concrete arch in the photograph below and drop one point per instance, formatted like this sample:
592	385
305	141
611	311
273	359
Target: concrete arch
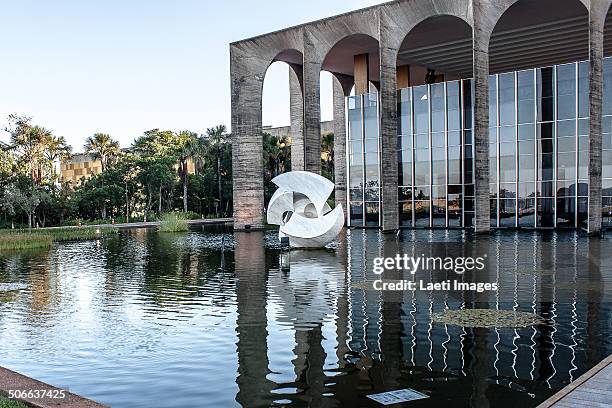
325	36
293	58
452	54
339	60
401	19
526	34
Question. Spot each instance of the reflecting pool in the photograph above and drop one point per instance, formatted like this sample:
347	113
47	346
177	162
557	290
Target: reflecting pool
213	318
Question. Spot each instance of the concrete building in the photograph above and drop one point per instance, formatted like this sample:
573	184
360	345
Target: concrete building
466	113
79	166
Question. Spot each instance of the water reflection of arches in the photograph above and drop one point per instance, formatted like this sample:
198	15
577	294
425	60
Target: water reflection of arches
388	341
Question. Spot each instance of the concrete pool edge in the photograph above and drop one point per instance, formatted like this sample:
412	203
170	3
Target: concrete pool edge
582	381
11	380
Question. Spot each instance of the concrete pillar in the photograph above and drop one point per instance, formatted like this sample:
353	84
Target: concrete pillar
312	105
388	124
342	87
296	107
254	388
597	19
480	64
361	70
247	74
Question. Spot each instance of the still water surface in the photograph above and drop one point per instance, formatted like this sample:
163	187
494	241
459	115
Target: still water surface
211	319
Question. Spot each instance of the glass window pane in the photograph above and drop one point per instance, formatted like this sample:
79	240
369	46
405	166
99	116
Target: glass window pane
421	109
372	214
438	165
421	213
405	167
506	99
526	212
606	160
454	165
404	112
545	94
493	212
370	113
566	166
546	212
356	216
566	91
437	107
566	211
492	100
507	213
438	212
583	89
526	96
607	87
526	132
467	103
526	167
454	210
453	105
405	213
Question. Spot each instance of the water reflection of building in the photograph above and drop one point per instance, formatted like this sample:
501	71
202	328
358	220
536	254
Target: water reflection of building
388	341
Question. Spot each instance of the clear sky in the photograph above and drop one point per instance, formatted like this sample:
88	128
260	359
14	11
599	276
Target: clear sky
123	67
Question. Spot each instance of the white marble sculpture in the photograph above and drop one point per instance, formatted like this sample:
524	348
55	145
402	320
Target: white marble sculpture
300	207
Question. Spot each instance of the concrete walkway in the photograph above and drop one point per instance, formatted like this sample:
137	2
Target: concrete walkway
593	390
10	380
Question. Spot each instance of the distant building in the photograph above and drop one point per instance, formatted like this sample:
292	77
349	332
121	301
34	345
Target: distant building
83	166
327	127
79	166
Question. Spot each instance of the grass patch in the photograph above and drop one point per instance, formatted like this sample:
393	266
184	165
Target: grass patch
19	241
173	222
7	403
11	240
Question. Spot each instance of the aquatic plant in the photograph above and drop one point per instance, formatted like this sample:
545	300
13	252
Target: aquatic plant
173	222
487	318
42	238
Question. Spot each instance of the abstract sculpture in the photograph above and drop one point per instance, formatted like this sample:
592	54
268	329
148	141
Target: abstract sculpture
300	207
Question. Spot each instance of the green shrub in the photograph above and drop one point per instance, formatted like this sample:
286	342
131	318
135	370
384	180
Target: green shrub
7	403
173	222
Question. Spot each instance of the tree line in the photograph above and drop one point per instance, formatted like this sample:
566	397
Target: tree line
162	171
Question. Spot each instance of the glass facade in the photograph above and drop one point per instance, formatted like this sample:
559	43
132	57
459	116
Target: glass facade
363	160
435	166
538	151
606	144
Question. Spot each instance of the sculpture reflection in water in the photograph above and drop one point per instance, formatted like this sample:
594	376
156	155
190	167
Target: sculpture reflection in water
300	207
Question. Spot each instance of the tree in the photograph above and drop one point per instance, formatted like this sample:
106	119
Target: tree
276	159
28	144
327	156
102	147
189	146
22	195
216	141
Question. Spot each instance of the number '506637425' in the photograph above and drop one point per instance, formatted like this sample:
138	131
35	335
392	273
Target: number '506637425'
37	394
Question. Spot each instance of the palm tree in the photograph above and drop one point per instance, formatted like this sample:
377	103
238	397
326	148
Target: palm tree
29	141
216	138
189	148
101	146
327	148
